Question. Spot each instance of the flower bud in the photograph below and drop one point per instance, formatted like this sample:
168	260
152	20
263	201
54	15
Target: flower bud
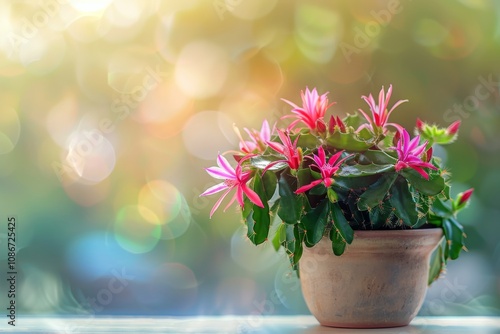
320	126
462	199
437	135
453	128
428	154
420	125
336	122
341	125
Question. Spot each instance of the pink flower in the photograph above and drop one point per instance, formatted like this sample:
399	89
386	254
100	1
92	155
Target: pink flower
312	111
233	178
258	139
380	113
409	154
288	149
327	169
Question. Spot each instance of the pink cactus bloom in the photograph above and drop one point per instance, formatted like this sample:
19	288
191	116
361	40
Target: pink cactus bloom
233	178
409	154
288	149
312	111
327	169
380	113
258	139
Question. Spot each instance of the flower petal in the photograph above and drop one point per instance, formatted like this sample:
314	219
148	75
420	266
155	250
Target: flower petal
308	186
230	203
265	132
421	172
276	146
219	201
219	173
335	157
239	195
215	189
321	155
252	195
223	163
366	116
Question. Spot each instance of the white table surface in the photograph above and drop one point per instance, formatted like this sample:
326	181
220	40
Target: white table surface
237	324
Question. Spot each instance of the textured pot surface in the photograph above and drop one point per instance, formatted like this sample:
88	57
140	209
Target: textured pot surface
379	281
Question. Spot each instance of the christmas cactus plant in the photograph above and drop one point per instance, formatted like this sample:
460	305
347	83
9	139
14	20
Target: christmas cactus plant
326	177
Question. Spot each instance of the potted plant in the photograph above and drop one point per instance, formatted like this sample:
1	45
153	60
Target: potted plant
358	205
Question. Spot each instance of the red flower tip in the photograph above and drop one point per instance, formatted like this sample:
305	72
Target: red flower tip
320	126
420	124
465	196
396	138
336	121
453	128
331	124
428	154
340	124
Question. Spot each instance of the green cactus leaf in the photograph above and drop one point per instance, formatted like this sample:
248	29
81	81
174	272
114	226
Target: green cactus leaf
348	141
269	182
437	264
318	190
315	222
365	135
340	223
435	220
376	192
306	141
348	183
431	187
356	217
387	141
261	217
420	222
247	206
379	157
261	162
442	209
380	215
454	234
363	170
338	243
299	247
290	204
290	244
279	236
304	177
275	206
446	191
333	197
353	120
402	200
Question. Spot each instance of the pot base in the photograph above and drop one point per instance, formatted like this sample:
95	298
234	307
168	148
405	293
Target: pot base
366	326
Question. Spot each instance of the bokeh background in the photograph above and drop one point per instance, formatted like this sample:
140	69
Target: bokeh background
110	110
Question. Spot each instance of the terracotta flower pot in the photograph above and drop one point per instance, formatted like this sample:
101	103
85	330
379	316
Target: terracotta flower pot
380	280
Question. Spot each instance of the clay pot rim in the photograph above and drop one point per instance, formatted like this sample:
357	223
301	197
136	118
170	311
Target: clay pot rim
409	233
